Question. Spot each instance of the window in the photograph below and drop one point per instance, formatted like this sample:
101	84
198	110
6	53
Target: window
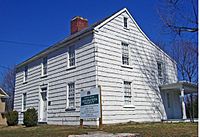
125	54
161	78
160	74
71	96
125	22
72	56
127	93
25	73
24	96
44	66
3	100
168	100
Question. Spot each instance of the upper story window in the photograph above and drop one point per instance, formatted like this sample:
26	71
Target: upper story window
44	66
71	96
160	69
125	54
71	56
24	96
125	22
127	93
25	73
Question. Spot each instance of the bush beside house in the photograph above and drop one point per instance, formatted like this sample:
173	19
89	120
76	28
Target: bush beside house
30	117
12	118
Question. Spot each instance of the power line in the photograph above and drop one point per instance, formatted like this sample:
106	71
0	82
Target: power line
4	67
23	43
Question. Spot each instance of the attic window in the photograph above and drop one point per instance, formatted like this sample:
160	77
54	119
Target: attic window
125	22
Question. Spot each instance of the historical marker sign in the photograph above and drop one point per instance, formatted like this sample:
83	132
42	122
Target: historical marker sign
90	104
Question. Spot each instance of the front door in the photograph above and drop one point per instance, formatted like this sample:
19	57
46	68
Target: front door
169	105
43	105
172	104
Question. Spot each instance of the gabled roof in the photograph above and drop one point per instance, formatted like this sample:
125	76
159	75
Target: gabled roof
125	10
3	94
88	30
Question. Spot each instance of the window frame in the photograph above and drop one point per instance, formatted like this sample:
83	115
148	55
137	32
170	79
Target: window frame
44	60
131	94
68	107
24	101
123	44
161	70
125	21
70	58
161	78
25	74
168	100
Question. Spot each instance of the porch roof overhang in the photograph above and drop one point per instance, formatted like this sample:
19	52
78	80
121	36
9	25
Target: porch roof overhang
3	94
188	87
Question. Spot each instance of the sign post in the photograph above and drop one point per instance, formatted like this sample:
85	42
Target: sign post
81	123
91	105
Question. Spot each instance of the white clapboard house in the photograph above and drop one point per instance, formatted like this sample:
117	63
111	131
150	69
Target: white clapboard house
138	80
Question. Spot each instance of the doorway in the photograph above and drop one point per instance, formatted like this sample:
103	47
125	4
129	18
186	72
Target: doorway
169	105
43	105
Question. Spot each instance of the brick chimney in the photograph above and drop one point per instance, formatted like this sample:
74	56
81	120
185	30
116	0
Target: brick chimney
78	24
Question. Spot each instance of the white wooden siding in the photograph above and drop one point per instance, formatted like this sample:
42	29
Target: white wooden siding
58	77
99	62
142	72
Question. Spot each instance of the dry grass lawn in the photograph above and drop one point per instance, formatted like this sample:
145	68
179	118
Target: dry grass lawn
145	129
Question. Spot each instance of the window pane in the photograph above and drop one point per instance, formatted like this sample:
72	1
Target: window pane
159	69
26	73
125	54
127	93
24	101
72	56
168	100
44	65
125	22
71	95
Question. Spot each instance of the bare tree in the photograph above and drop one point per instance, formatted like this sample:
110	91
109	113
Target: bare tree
8	84
163	46
185	54
179	16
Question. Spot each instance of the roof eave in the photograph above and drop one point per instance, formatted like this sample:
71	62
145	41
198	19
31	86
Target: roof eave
55	46
5	94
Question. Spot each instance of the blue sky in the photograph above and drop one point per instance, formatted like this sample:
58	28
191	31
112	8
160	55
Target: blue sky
48	21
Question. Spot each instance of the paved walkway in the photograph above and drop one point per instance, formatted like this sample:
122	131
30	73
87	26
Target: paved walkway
105	134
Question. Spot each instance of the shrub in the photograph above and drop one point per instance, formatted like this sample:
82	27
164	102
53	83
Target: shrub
12	118
30	117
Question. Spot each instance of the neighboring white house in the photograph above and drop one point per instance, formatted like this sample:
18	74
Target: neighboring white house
3	97
113	53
